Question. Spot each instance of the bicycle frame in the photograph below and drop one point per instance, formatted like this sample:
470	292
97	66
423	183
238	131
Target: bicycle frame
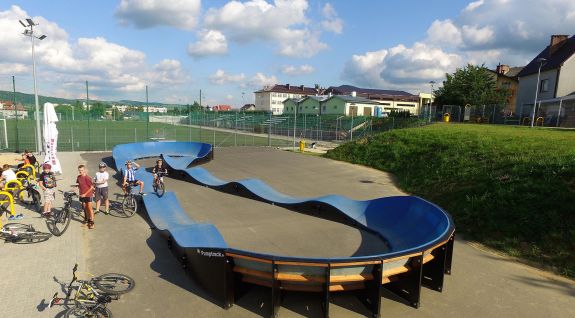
86	295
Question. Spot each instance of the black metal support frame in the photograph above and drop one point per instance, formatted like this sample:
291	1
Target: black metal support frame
407	286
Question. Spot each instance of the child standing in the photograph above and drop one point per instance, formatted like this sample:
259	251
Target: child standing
86	192
48	184
101	181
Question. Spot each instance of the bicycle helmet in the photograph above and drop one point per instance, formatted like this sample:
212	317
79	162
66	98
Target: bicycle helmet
128	162
47	166
102	165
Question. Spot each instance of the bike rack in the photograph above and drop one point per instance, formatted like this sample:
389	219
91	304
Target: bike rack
9	200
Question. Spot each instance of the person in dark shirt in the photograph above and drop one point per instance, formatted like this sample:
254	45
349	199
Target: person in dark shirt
48	184
159	169
86	192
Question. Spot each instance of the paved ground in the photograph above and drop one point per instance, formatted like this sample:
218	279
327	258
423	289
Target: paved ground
483	284
32	273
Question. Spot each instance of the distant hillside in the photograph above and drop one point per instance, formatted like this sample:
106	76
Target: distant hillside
28	100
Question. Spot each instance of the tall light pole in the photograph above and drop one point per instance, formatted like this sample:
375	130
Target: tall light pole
540	61
29	25
431	98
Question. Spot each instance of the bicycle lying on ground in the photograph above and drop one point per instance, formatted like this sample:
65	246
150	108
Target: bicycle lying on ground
130	204
92	296
22	234
60	220
159	186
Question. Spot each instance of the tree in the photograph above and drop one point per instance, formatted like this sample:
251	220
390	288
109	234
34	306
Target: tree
97	110
473	85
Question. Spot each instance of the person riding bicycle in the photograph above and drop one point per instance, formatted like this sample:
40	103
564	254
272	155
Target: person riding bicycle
129	174
159	169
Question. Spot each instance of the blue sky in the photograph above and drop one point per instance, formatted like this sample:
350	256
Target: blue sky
227	48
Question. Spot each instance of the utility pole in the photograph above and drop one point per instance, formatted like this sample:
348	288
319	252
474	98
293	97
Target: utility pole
17	148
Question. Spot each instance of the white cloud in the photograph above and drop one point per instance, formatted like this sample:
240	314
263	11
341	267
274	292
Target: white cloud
181	14
260	80
475	36
220	78
283	22
473	5
168	71
211	42
444	33
332	22
400	66
109	67
292	70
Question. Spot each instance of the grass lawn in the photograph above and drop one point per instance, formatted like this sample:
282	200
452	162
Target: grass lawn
104	135
512	188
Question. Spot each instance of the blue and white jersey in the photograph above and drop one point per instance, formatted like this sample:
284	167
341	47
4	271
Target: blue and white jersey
130	174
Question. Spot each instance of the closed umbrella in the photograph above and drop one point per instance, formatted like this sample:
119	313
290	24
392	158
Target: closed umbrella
51	137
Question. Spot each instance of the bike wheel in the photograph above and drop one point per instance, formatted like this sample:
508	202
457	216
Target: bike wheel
37	204
160	189
60	222
34	237
114	284
97	312
129	205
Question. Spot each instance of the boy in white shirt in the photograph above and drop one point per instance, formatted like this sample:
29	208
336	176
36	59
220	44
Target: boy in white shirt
101	182
7	175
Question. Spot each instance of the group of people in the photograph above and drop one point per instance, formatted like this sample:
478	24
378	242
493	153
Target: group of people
89	189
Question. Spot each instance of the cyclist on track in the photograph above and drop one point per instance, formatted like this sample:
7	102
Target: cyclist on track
159	168
129	176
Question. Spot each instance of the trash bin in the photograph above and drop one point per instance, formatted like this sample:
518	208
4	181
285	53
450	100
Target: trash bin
301	145
446	117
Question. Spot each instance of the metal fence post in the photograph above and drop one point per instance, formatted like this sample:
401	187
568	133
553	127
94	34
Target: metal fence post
270	131
135	135
236	130
105	140
72	137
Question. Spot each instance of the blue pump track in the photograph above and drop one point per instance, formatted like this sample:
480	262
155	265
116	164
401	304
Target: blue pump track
408	224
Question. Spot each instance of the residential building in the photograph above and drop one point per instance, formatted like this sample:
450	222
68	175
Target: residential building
506	79
557	77
248	107
7	110
388	99
221	108
346	105
271	98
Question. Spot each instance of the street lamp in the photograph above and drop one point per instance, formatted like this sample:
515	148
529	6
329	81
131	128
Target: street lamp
540	61
30	32
431	98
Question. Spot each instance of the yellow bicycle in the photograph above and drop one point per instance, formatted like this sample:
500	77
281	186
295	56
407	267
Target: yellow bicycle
92	296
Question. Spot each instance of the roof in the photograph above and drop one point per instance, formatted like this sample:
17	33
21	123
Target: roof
349	98
513	71
554	61
287	88
347	89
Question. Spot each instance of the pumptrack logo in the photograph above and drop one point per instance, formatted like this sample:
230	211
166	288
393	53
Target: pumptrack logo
209	253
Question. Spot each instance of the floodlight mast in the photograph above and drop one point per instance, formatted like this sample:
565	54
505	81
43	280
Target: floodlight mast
30	32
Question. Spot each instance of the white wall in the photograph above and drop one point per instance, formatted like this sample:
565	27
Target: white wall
567	78
527	87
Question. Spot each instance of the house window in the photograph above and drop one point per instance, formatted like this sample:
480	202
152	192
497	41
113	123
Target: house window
323	108
544	87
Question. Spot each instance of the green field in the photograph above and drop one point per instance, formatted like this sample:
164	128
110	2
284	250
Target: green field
512	188
104	135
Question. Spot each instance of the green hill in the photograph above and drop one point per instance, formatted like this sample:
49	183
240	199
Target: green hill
511	188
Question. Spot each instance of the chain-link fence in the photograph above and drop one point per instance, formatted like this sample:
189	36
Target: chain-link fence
218	128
